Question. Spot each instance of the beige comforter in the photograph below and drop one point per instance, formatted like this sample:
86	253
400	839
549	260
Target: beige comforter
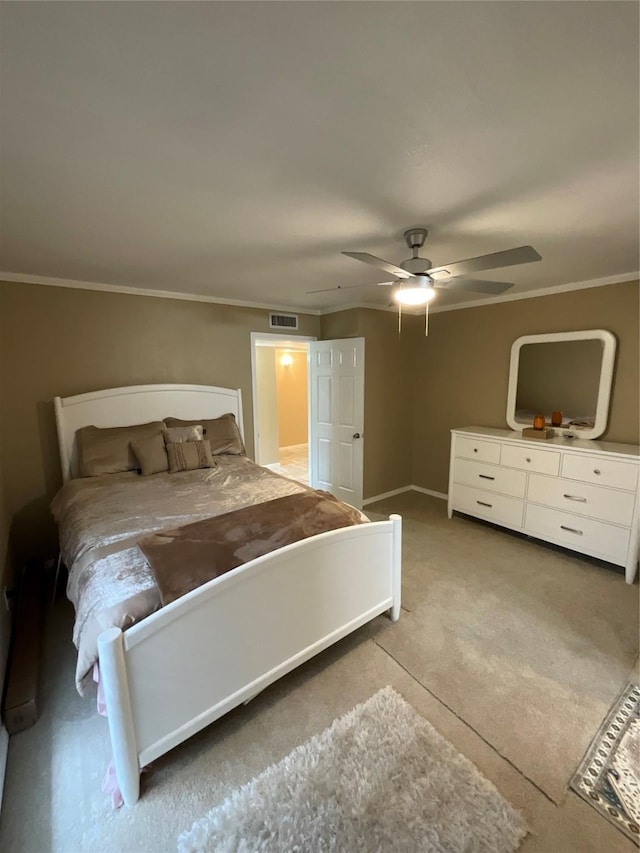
101	518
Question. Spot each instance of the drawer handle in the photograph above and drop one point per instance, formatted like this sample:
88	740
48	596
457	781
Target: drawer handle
475	449
597	471
482	503
485	477
527	459
571	530
575	498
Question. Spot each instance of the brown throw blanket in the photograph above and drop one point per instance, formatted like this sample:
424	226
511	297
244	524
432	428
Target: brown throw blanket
189	556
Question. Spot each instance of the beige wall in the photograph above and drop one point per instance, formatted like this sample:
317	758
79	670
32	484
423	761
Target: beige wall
292	385
61	341
461	371
388	390
267	406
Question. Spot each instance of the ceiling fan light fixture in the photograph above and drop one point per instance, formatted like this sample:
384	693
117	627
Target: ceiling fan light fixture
419	293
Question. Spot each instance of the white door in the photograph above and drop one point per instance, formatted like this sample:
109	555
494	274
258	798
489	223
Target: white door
336	422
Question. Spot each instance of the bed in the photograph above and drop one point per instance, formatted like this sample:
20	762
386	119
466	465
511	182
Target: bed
186	664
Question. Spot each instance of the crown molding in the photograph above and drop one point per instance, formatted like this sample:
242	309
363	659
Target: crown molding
25	278
336	309
48	281
542	291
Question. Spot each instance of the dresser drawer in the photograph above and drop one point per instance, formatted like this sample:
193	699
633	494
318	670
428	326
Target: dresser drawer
493	507
582	534
490	477
531	459
600	470
471	448
582	498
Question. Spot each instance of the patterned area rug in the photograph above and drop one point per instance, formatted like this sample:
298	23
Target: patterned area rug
379	778
609	776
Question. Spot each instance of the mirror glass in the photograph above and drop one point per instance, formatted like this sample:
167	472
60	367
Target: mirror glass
563	372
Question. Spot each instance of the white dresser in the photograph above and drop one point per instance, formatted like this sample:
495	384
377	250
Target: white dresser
579	494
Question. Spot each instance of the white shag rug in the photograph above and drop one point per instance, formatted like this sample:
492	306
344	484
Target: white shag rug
380	778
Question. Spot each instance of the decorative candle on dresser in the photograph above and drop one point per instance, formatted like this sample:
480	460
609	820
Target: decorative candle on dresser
581	494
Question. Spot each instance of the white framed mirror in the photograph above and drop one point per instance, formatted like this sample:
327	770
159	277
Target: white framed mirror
567	372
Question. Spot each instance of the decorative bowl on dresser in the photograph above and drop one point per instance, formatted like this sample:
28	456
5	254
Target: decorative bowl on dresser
580	494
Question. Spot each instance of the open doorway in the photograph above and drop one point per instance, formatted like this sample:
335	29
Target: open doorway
280	383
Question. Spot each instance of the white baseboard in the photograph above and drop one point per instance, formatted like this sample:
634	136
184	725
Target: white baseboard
422	490
384	495
395	492
4	751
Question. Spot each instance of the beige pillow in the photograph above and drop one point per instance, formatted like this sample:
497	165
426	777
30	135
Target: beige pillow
188	433
108	451
222	433
151	455
189	455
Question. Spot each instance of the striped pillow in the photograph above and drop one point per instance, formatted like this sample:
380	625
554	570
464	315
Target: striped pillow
189	455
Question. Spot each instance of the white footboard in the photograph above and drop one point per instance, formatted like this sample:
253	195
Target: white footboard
191	662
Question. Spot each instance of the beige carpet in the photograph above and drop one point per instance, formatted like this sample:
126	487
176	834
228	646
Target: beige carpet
529	645
567	625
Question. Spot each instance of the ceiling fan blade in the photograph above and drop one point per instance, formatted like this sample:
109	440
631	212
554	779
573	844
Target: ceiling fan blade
476	285
508	258
338	287
387	283
378	262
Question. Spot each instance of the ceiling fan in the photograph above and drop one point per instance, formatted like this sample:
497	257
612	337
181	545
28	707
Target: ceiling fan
416	281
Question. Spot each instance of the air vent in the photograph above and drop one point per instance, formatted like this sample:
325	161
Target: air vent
283	321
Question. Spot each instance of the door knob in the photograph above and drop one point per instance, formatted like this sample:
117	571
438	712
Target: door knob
356	435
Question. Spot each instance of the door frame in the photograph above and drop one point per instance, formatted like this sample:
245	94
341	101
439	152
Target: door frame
273	340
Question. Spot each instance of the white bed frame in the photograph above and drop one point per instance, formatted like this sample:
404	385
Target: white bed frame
218	646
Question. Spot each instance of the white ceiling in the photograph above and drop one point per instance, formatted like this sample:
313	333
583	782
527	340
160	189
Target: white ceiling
234	149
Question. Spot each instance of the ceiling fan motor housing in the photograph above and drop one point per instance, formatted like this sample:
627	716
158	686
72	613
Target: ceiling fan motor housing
414	238
416	266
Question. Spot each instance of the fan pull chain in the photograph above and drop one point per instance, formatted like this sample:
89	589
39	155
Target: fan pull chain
426	319
399	318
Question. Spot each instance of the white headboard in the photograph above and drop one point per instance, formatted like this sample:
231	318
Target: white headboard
138	404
